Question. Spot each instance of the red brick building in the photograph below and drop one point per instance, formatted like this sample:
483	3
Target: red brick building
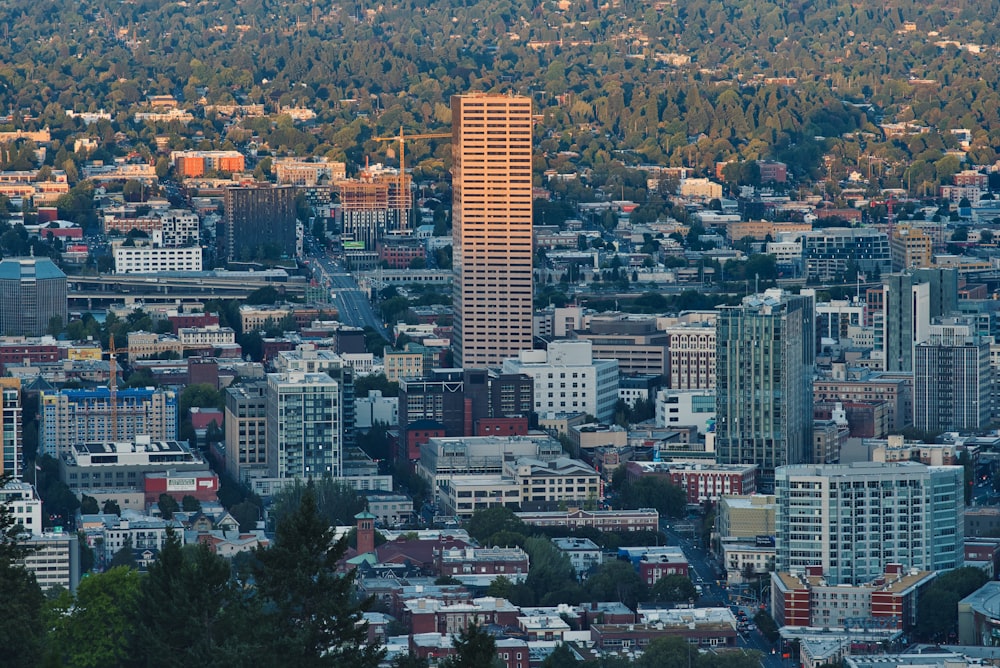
399	255
500	426
771	170
645	519
192	320
428	615
203	486
706	632
809	600
37	353
701	482
656	566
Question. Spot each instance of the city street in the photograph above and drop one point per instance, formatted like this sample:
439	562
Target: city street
353	305
706	571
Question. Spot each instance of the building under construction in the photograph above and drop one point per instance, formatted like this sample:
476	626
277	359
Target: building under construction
69	417
374	206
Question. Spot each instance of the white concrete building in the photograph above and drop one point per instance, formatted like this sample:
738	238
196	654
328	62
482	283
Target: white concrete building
212	335
567	378
54	560
583	553
151	260
178	228
24	505
685	408
854	520
374	409
304	425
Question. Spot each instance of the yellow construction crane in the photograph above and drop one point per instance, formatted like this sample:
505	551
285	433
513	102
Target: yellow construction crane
401	138
113	384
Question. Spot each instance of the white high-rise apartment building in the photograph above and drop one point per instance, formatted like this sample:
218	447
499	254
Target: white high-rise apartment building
854	520
568	379
492	242
304	425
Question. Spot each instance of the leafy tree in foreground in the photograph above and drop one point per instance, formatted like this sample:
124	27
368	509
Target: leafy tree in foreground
21	626
937	614
309	617
486	522
90	630
674	589
561	657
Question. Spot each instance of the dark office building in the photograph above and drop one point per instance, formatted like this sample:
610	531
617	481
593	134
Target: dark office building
260	223
32	292
459	400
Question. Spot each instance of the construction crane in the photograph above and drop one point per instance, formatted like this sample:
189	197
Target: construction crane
113	383
401	138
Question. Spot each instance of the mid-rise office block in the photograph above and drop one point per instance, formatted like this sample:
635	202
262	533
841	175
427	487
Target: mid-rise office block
636	343
260	223
902	309
246	430
23	505
32	293
764	407
828	252
304	425
492	217
308	359
69	417
568	379
952	380
11	460
691	356
855	520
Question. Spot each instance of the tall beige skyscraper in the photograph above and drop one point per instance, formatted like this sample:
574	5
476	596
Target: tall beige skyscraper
491	182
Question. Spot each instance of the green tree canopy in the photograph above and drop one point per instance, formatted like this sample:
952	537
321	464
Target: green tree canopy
308	613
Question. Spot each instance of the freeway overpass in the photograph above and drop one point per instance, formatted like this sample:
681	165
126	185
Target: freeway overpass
88	291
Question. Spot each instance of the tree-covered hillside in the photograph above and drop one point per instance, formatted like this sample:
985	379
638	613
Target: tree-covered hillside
677	83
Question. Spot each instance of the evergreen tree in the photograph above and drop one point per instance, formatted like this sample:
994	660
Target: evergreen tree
21	628
474	648
561	657
191	612
309	617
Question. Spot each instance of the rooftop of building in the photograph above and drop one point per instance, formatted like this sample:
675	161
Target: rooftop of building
544	514
140	445
572	544
687	616
560	466
105	393
893	583
548	622
751	501
693	467
985	600
18	268
854	469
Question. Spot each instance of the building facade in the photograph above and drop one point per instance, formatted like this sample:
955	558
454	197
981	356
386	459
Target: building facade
69	417
304	425
567	378
828	252
246	430
32	293
150	259
854	520
764	406
492	236
952	380
260	223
